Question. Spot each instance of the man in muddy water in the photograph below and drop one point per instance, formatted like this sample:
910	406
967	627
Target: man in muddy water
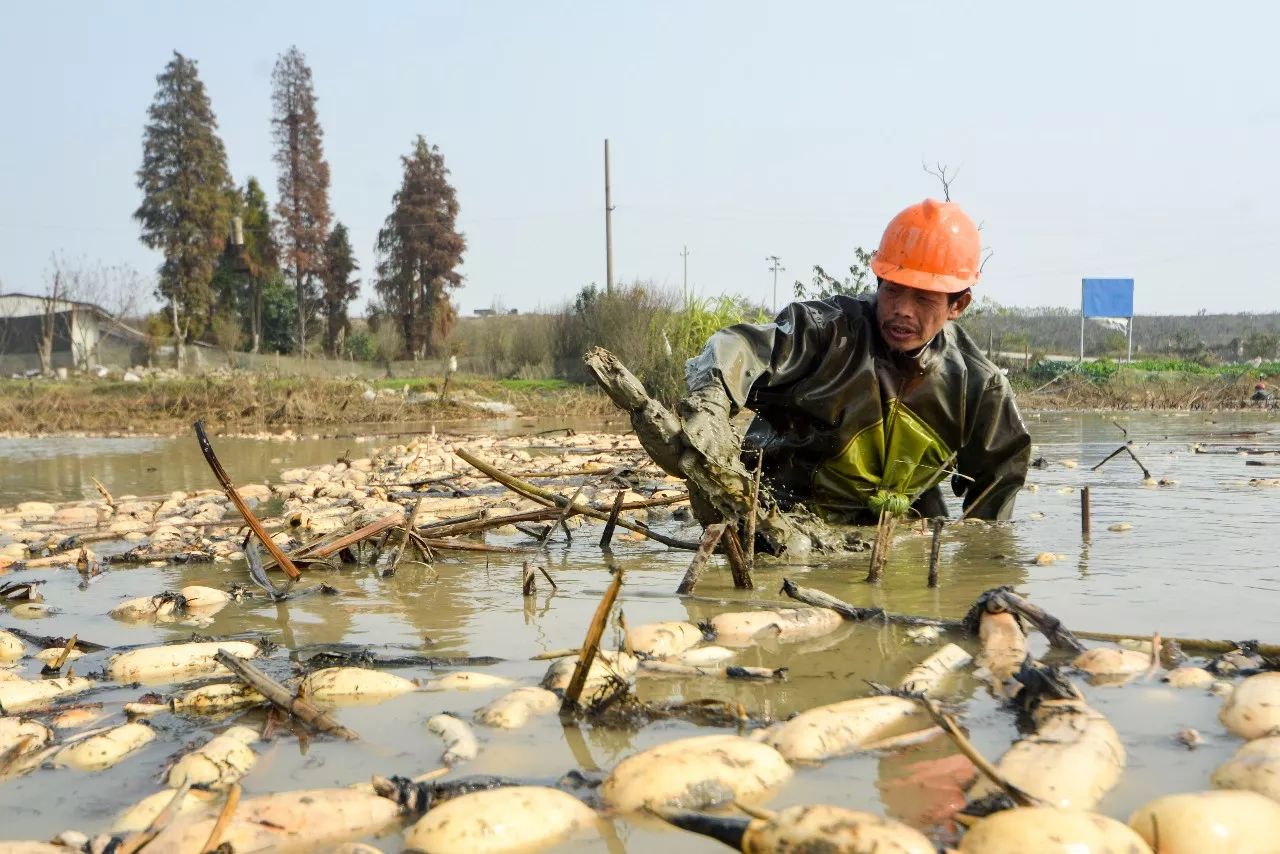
870	403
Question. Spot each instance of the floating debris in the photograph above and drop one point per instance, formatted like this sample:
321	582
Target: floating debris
695	773
514	710
102	751
175	661
515	818
780	624
467	681
1254	766
1073	758
24	696
1201	822
807	828
218	763
1050	830
1252	710
840	728
459	739
350	685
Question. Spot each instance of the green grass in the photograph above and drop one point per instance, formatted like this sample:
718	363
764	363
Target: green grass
534	385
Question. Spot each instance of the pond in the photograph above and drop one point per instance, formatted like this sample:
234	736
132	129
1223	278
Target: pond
1199	560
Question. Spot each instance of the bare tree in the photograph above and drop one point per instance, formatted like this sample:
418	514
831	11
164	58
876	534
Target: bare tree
939	171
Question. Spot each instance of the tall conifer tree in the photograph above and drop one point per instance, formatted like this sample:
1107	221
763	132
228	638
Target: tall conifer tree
339	287
303	207
419	250
184	181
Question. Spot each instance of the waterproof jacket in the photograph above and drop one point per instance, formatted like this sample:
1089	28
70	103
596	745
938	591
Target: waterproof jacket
840	416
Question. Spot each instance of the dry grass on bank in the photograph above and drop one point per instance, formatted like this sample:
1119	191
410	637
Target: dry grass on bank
255	402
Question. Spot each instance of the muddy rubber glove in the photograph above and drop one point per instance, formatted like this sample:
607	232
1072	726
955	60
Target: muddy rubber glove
704	417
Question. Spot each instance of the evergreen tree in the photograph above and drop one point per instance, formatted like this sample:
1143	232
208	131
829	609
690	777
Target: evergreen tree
184	212
339	287
419	250
303	207
243	271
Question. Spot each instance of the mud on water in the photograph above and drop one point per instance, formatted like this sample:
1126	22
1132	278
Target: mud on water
1198	560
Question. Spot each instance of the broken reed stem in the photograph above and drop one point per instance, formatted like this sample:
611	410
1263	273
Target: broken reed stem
529	580
404	541
1146	474
224	819
737	559
548	577
818	599
1127	447
463	546
281	559
591	645
1117	452
137	841
607	536
750	534
710	536
106	496
935	550
62	658
1017	795
282	697
554	499
1086	521
564	514
880	549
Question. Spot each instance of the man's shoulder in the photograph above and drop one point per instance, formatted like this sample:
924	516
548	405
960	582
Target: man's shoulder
982	371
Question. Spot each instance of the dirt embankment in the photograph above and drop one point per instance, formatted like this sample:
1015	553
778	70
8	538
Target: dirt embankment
1147	390
254	402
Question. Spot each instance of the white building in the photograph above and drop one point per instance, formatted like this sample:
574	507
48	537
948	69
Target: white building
84	335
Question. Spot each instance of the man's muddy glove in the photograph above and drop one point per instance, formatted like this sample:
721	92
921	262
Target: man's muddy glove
704	419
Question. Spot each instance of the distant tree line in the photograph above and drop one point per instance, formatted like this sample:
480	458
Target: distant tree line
246	275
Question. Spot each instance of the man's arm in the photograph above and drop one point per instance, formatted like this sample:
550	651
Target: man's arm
747	356
996	455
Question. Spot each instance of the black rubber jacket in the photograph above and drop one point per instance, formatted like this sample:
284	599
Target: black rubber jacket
839	416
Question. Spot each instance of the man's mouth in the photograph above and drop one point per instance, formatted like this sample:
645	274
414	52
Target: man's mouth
900	331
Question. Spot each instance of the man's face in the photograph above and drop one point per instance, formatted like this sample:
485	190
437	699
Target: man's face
910	317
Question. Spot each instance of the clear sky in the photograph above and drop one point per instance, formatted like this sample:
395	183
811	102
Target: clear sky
1092	138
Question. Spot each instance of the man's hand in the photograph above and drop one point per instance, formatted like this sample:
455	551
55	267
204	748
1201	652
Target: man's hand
704	417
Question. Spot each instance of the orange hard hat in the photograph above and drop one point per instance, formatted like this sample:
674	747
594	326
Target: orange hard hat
933	246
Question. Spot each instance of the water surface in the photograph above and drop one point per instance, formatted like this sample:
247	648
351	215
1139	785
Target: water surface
1199	561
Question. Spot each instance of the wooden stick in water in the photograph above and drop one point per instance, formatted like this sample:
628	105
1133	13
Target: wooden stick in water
281	559
555	499
224	819
1019	797
880	549
750	533
607	536
590	646
283	697
710	537
1085	512
62	658
737	560
935	550
404	541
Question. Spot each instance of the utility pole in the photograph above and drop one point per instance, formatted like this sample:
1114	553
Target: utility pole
685	255
776	267
608	224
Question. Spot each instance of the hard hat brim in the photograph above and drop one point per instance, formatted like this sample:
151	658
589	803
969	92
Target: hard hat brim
909	278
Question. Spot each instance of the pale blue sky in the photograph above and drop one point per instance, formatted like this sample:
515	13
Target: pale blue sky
1111	138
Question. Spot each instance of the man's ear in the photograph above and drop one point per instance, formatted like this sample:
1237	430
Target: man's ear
957	307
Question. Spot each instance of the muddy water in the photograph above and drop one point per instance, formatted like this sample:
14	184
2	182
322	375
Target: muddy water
1200	560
